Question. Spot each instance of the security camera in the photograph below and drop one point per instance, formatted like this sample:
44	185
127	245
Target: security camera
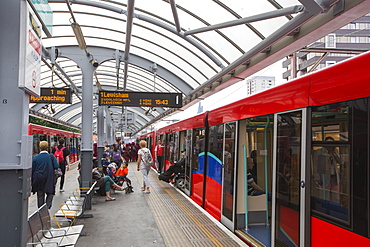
94	62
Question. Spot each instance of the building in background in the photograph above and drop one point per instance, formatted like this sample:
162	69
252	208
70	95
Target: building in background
259	83
348	41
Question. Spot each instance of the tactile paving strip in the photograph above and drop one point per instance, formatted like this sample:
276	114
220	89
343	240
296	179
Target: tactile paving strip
179	221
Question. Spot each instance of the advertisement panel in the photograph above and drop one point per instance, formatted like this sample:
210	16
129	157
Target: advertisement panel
30	81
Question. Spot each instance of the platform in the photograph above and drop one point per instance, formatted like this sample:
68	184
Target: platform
165	217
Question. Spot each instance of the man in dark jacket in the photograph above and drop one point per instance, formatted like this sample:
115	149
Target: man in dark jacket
43	175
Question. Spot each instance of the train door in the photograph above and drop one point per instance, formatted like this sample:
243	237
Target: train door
197	162
189	148
213	170
228	175
253	208
180	181
289	179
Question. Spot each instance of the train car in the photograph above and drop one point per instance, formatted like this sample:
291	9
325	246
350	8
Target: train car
51	135
304	143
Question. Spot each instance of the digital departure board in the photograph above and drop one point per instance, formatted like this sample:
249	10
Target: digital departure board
53	95
123	98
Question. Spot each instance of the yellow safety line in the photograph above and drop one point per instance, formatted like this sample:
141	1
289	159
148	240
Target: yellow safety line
248	238
196	221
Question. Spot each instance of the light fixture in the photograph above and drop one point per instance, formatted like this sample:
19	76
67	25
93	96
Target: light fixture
94	62
79	35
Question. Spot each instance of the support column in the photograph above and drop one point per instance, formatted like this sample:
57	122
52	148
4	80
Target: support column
101	134
15	144
87	122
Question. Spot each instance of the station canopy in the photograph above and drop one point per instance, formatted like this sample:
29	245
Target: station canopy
195	48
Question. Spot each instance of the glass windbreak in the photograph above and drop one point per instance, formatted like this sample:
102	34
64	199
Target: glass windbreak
330	162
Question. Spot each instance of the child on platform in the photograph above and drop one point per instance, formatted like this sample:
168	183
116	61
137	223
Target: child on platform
122	173
105	162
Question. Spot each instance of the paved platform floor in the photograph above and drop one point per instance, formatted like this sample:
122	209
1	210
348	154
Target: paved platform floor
165	217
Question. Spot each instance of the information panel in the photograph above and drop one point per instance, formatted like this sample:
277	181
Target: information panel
122	98
54	96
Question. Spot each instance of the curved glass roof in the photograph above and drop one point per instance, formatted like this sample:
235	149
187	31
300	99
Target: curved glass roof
191	47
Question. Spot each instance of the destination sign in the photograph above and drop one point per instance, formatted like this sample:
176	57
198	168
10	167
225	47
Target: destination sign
54	96
123	98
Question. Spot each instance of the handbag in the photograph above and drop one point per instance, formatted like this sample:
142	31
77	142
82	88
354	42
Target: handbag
58	172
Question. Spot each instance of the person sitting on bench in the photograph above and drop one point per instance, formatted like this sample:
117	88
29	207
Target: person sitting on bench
107	183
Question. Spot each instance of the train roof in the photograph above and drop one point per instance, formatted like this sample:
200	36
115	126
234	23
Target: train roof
189	123
330	85
42	130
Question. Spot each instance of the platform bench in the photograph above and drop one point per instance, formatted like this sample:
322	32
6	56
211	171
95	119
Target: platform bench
75	208
41	233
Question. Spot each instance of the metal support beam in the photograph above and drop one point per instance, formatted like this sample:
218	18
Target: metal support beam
323	56
318	6
125	75
260	17
75	89
175	15
294	65
130	16
285	29
312	29
150	20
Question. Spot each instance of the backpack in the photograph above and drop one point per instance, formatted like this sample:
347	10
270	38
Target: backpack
116	157
147	158
59	154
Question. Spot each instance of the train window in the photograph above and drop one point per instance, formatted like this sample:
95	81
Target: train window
172	146
330	155
176	147
188	147
198	146
215	143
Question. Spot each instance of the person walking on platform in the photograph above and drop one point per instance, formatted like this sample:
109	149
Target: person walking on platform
144	162
62	154
158	151
43	175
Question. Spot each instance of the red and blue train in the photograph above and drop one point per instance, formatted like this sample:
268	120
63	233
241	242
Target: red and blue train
51	135
306	143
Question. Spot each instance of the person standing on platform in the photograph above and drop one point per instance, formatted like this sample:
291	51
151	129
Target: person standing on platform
158	151
116	155
62	154
144	165
43	175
